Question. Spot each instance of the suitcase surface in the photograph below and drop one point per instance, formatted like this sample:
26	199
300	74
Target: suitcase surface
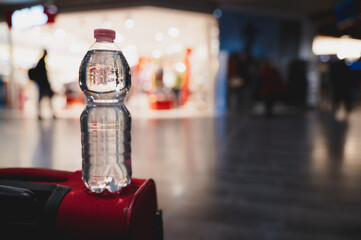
68	210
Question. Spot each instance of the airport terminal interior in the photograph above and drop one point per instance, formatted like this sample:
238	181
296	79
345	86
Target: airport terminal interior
246	114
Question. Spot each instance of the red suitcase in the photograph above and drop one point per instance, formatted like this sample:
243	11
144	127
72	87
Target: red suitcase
55	204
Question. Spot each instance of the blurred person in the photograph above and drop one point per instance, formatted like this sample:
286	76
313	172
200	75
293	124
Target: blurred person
241	77
242	71
325	91
2	92
297	83
39	75
235	81
160	97
177	88
272	85
344	82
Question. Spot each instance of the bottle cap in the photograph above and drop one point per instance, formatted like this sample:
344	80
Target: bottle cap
104	34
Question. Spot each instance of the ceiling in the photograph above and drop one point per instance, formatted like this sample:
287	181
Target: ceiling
304	7
319	11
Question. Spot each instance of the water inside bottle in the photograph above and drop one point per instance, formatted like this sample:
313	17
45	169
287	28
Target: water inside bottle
106	146
104	75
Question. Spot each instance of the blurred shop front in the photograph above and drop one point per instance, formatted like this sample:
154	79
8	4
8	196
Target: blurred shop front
172	54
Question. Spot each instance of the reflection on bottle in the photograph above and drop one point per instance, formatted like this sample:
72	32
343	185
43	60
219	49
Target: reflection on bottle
106	147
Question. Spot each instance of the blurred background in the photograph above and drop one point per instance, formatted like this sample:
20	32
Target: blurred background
212	54
245	112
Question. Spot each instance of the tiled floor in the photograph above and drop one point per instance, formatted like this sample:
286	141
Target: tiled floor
293	176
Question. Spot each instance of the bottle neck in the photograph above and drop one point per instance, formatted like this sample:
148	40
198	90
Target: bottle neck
104	41
104	45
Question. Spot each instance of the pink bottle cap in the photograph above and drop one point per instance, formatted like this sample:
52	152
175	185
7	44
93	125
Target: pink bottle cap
104	34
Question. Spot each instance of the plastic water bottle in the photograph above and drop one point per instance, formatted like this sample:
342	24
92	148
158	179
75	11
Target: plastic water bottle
104	77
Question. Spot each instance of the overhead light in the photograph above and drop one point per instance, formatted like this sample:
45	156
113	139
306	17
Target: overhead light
159	37
129	23
29	17
180	67
350	49
344	47
217	13
157	53
325	58
173	32
175	48
52	9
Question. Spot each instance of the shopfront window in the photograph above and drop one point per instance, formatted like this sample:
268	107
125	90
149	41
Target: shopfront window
172	55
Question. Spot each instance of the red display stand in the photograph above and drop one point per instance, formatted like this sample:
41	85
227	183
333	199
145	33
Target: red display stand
161	105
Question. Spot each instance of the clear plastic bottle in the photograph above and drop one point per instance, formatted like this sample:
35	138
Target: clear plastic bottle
104	77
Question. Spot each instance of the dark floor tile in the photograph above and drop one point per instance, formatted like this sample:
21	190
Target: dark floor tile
295	176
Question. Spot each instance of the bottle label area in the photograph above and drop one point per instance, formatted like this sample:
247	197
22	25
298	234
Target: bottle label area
102	78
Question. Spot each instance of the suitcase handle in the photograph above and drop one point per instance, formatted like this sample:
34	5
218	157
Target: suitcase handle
34	174
18	206
29	208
